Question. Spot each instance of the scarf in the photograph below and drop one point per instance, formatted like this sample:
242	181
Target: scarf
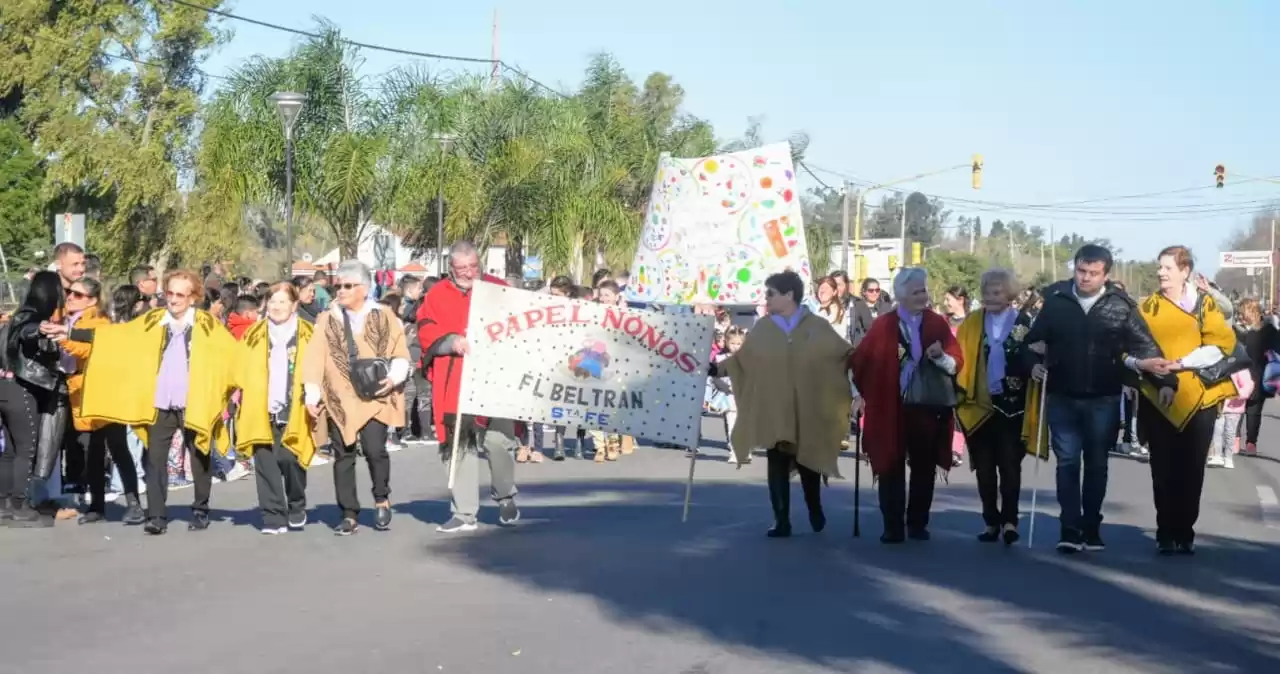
66	361
912	325
1188	301
789	324
279	336
997	327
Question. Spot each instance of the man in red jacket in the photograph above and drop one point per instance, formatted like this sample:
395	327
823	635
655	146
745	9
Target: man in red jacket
442	332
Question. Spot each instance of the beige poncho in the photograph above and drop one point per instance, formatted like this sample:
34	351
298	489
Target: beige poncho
792	392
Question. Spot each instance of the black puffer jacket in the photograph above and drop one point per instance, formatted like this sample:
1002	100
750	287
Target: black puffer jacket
1084	352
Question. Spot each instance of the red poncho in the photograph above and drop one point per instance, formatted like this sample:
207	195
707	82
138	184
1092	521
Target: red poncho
443	312
876	373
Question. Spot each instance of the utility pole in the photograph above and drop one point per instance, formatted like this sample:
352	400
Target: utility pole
1271	276
973	233
844	230
1013	262
1053	253
1042	257
496	72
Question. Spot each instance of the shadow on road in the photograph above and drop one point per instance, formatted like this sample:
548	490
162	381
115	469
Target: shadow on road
830	599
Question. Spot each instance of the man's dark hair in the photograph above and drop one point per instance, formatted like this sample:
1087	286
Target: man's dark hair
64	248
228	294
600	275
406	281
787	283
564	284
247	303
262	290
320	274
608	284
1091	253
140	273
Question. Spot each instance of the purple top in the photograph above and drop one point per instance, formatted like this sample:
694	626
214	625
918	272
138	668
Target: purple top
171	382
788	324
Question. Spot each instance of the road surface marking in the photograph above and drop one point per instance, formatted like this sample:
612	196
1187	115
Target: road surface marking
1270	506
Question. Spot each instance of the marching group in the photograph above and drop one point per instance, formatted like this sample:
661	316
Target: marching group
269	376
914	380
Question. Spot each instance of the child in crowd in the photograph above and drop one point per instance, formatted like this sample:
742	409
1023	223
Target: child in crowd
560	286
607	445
1226	429
734	337
246	313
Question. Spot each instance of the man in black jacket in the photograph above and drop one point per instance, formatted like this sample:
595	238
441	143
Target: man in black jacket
1091	331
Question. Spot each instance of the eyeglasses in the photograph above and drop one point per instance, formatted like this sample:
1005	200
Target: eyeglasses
177	296
347	286
465	267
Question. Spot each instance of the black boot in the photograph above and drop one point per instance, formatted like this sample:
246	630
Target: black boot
133	514
779	473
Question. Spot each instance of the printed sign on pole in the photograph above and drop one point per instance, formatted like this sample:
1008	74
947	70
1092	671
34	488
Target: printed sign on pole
68	227
1244	259
554	360
716	227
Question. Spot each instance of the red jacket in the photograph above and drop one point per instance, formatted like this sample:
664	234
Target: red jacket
444	311
876	373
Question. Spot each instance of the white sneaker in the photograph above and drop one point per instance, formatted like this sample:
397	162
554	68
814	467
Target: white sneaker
1228	462
319	459
269	531
1215	462
237	472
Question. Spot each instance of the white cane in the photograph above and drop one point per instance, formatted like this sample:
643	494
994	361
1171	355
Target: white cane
1035	488
688	487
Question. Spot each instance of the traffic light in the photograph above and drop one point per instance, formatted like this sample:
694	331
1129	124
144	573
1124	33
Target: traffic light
977	171
916	253
1220	175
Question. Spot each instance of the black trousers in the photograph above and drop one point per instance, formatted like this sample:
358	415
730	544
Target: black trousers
159	437
113	440
18	412
1177	469
996	450
779	471
282	482
1253	419
373	440
926	435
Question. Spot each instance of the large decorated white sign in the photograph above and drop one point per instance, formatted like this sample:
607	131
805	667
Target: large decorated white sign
548	359
717	226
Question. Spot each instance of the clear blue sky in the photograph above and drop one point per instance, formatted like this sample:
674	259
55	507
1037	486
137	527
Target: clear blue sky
1066	100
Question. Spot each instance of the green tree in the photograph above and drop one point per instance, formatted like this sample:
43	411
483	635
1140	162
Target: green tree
108	90
22	222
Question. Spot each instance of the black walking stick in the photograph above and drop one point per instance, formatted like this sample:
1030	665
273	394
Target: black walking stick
857	478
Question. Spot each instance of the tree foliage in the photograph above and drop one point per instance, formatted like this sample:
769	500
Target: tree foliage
107	92
22	224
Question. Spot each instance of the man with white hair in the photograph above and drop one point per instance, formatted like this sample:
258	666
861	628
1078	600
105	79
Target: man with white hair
442	332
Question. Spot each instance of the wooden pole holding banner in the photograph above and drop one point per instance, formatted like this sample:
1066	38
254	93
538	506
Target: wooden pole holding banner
1035	490
688	486
453	453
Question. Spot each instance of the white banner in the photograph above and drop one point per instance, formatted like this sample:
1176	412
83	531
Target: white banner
1244	259
717	226
547	359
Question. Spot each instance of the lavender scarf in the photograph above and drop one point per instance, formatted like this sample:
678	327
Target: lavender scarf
912	324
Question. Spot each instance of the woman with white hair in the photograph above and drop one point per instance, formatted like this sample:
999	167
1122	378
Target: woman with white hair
353	374
904	369
997	410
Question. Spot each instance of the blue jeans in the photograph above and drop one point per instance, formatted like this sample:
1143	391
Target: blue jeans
135	450
1082	429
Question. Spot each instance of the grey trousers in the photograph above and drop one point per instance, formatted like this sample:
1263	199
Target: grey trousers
498	442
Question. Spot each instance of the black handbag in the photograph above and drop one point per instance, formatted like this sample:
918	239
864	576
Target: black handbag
1232	363
367	374
930	386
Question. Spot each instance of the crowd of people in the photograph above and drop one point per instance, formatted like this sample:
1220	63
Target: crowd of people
228	378
1167	378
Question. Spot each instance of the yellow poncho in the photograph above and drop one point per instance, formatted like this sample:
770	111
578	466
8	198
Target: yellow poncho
120	376
975	400
1178	333
253	425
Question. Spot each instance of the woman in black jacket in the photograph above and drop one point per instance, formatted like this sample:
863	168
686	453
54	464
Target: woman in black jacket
1258	337
33	403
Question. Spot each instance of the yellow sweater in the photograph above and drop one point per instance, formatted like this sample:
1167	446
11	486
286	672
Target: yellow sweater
120	376
1178	333
253	425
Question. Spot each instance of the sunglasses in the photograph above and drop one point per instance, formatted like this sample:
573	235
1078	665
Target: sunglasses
179	296
347	286
76	294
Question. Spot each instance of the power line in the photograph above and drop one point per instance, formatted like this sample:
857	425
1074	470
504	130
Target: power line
371	46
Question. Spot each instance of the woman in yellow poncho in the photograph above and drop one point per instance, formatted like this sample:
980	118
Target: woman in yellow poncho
998	403
163	372
273	425
1191	331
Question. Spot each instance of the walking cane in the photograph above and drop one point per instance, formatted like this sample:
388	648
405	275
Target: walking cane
857	479
1035	489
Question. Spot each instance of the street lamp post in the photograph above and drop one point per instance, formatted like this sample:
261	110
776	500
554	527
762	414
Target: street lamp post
289	104
444	140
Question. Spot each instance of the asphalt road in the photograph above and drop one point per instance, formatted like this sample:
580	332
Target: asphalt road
600	575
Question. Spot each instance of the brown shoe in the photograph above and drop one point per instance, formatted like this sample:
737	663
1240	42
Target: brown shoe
522	455
535	456
628	444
